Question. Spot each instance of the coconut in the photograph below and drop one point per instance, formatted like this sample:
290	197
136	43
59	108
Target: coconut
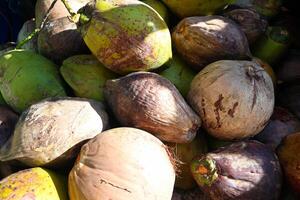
27	77
244	170
205	39
34	183
150	102
86	76
51	132
234	99
59	39
126	35
122	163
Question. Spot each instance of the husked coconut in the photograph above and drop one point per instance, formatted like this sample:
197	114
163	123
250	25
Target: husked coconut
235	99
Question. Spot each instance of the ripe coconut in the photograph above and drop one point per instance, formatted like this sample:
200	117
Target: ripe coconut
122	163
126	35
235	99
150	102
244	170
59	39
34	183
52	131
27	77
205	39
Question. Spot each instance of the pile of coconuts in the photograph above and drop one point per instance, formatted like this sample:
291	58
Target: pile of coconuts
152	100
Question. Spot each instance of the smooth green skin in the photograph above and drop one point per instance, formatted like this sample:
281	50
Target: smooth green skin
180	74
272	46
26	78
159	7
127	36
34	183
86	76
187	8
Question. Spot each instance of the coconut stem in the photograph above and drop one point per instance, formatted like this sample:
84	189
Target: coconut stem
69	8
37	30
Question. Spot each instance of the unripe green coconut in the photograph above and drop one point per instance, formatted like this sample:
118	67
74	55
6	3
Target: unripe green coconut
34	183
189	8
126	35
160	8
86	76
26	78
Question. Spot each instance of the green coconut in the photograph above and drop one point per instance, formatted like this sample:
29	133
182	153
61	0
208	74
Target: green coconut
86	76
160	8
27	77
126	35
179	73
34	183
189	8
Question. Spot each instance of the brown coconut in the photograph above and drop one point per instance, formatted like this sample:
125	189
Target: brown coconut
122	164
203	40
235	99
59	39
151	102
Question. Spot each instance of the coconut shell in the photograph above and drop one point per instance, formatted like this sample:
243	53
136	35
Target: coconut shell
48	133
234	99
150	102
122	163
288	153
33	183
281	124
126	36
59	39
244	170
203	40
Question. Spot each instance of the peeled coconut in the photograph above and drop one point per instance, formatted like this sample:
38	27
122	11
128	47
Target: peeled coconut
34	183
27	77
150	102
126	35
122	163
202	40
235	99
52	131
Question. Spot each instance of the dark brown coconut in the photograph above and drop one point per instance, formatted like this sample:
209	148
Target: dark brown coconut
288	153
59	39
234	99
251	23
150	102
203	40
281	124
244	170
